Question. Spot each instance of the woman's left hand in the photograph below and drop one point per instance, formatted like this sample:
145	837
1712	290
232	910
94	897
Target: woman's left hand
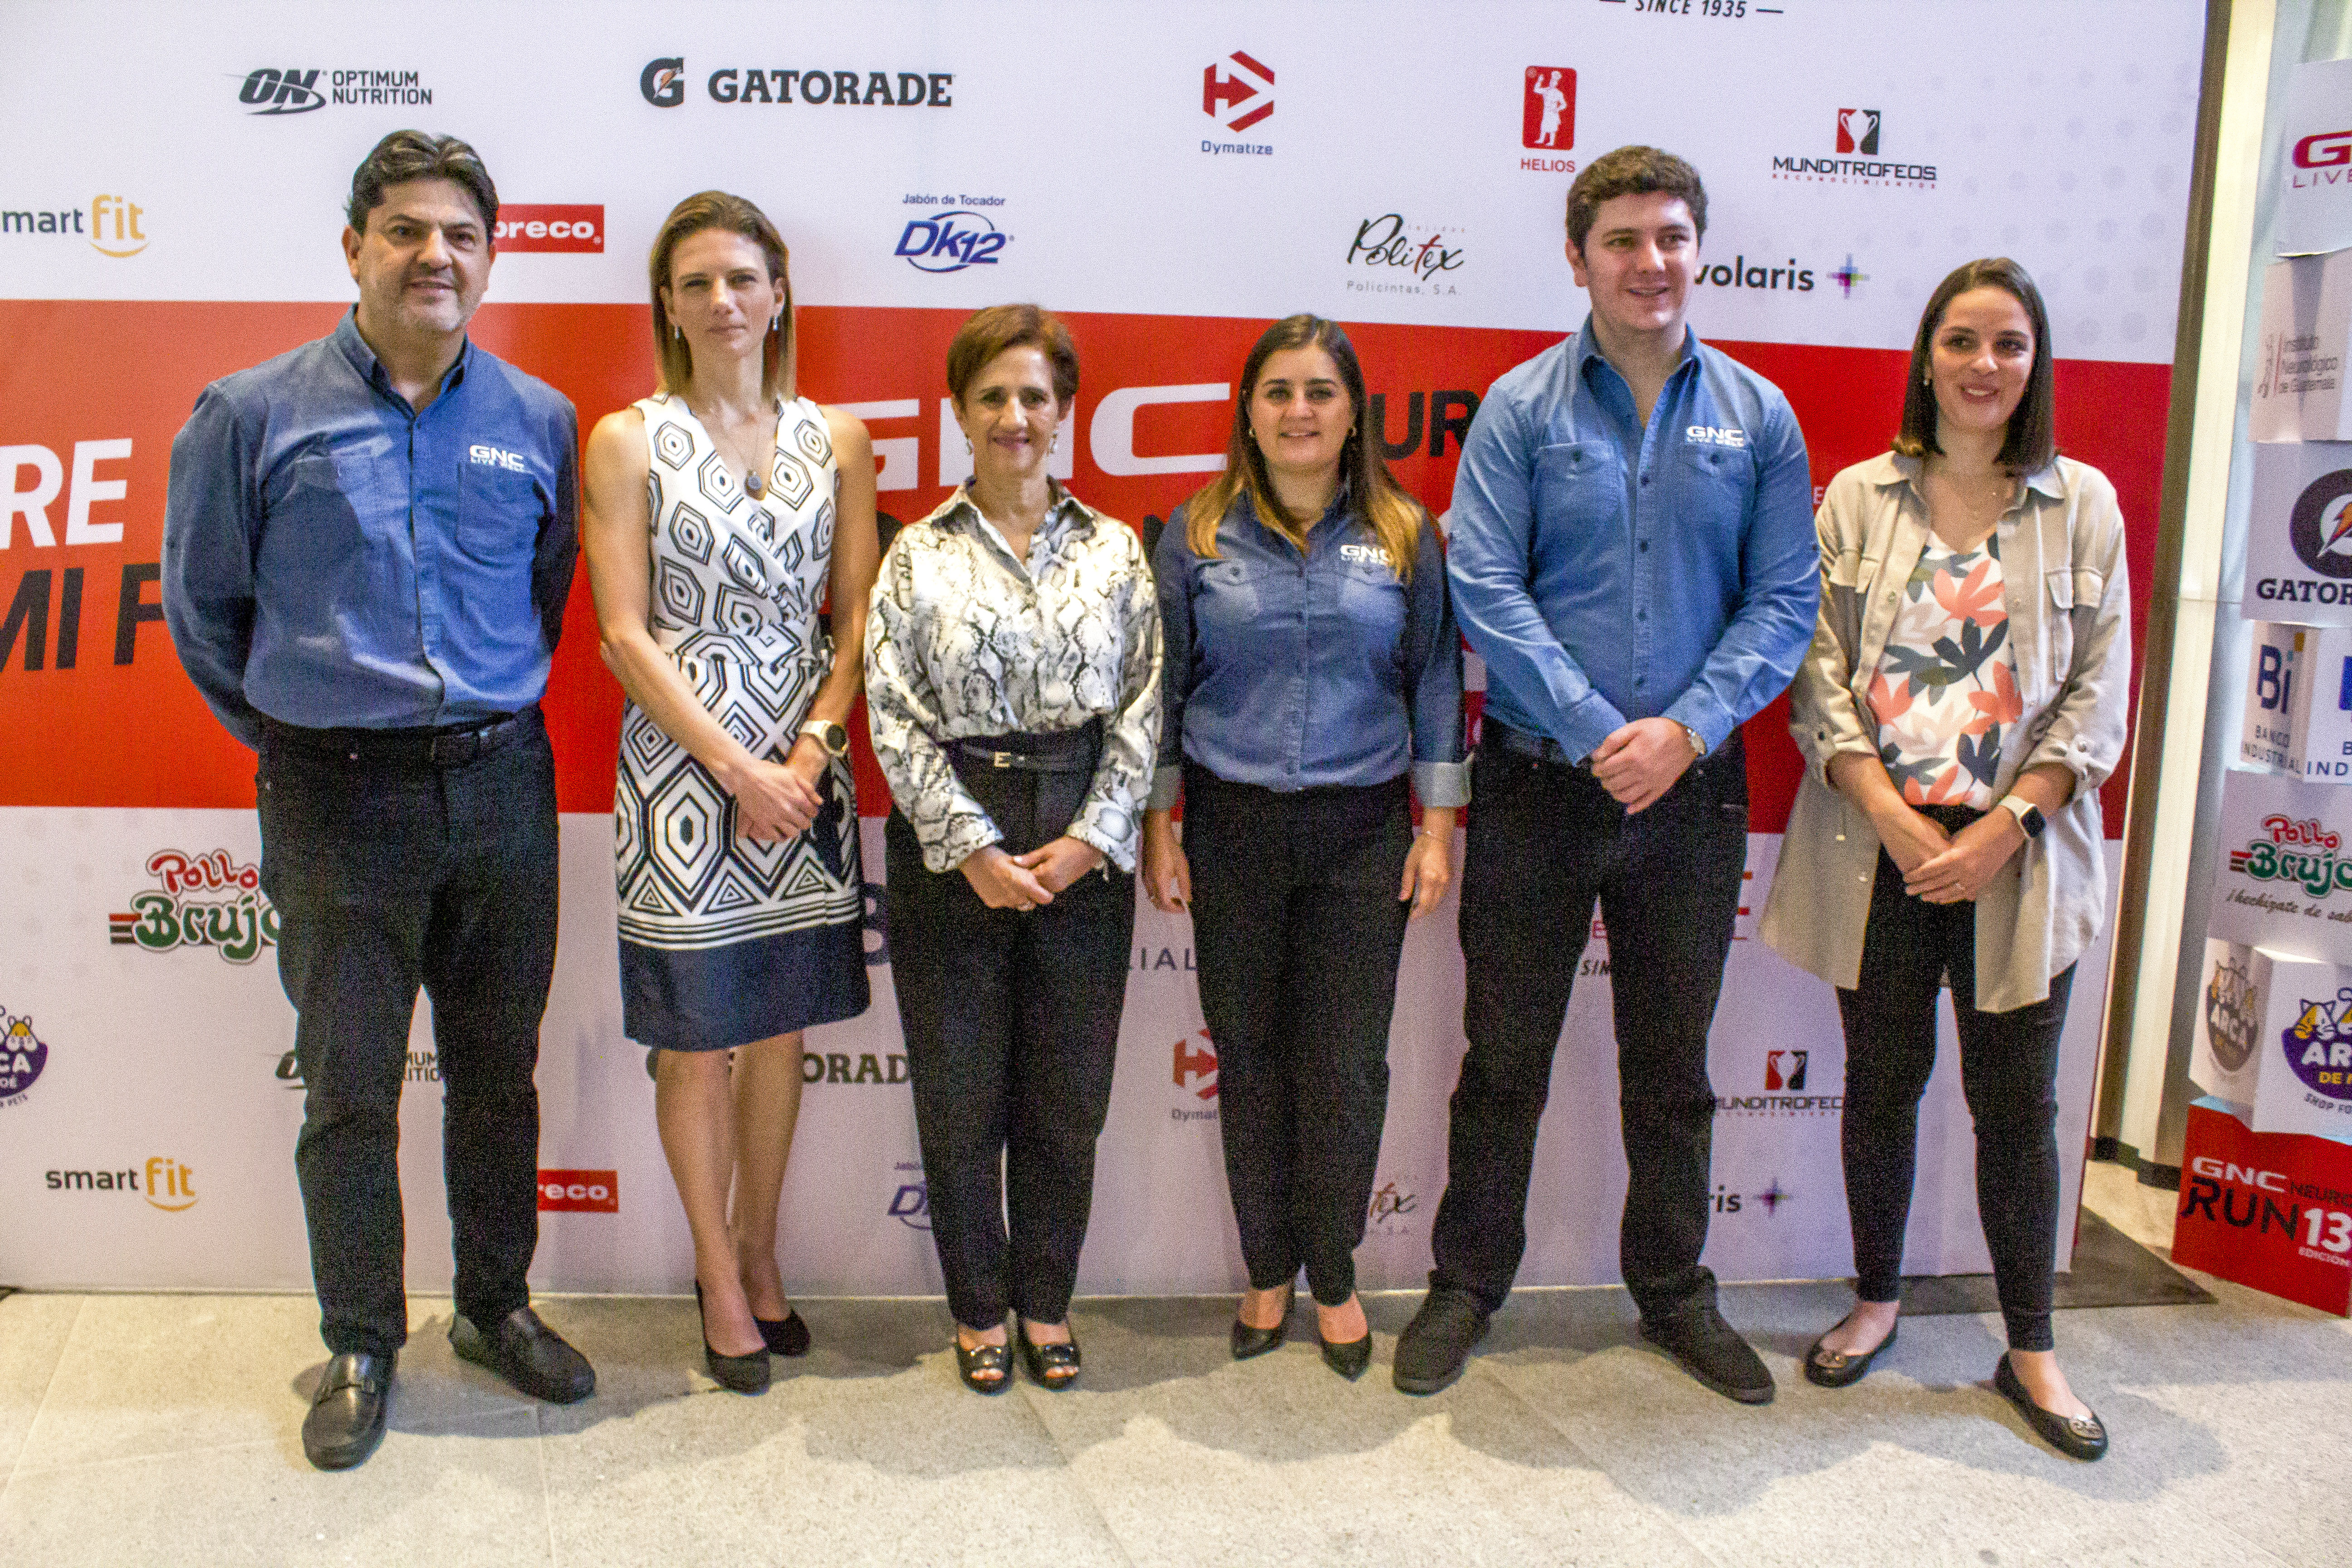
808	759
1964	869
1064	861
1428	866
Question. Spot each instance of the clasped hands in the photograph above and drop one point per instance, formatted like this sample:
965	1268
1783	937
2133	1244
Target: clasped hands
1025	882
778	800
1946	869
1638	761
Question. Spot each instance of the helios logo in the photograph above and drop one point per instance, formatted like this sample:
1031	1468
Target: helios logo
950	241
22	1057
1547	108
1237	91
578	229
663	81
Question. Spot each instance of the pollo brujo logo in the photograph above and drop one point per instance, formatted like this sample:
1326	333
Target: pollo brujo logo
199	901
2303	852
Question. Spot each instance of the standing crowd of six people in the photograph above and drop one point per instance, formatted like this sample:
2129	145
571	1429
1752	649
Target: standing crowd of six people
370	543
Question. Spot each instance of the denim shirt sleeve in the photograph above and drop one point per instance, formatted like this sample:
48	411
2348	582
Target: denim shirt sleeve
1780	591
1172	570
1492	524
212	524
557	553
1432	668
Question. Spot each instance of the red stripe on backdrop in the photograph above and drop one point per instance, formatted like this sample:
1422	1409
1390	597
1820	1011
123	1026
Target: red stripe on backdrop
106	718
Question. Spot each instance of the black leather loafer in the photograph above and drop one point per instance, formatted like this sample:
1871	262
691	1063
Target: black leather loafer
2078	1437
1053	1366
1711	1351
1836	1369
1435	1346
347	1414
526	1353
787	1336
1249	1341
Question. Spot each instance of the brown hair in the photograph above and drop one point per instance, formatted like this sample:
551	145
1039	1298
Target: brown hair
1375	497
717	209
406	156
2032	438
1632	172
1001	328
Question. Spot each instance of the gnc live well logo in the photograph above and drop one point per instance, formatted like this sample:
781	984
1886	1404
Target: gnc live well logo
2323	160
578	229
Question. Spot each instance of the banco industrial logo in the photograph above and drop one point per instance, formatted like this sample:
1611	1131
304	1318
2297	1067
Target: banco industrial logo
1856	160
112	224
297	90
166	1183
952	239
1194	1074
198	900
662	82
1785	1090
1237	93
22	1057
1548	119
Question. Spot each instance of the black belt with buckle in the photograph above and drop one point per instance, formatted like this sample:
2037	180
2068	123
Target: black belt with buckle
1077	751
1541	748
428	746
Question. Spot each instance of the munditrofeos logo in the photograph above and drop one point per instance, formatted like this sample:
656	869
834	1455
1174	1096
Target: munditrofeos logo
113	224
169	1184
1398	258
1237	93
951	240
1784	1076
199	901
578	229
22	1057
1548	119
1855	137
294	89
662	84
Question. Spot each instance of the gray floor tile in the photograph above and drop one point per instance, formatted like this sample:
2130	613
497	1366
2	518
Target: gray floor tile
32	1331
471	1494
867	1450
166	1374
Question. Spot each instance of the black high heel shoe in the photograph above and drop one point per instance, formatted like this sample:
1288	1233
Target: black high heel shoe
744	1374
986	1368
1250	1341
786	1336
1349	1358
1054	1366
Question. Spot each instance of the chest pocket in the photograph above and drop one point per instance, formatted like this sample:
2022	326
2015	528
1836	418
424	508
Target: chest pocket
498	514
2073	595
1581	484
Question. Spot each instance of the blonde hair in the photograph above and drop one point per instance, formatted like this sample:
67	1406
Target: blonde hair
717	209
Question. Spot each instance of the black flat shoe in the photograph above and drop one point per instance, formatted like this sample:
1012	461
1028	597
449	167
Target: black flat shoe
1349	1359
347	1414
1249	1341
2078	1437
786	1336
526	1352
1051	1366
744	1374
986	1368
1836	1369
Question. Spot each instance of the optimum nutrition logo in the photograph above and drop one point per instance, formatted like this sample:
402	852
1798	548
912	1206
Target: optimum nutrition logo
292	90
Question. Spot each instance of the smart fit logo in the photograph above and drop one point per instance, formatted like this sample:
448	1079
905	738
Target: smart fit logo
111	224
171	1185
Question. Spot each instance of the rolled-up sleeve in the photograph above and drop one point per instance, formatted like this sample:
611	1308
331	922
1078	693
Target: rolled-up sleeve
1824	720
1171	572
2086	725
1111	817
1431	655
212	527
902	712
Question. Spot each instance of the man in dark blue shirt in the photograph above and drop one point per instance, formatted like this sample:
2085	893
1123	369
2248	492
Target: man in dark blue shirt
1632	555
367	547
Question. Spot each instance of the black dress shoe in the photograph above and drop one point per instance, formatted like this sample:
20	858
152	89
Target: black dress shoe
1051	1366
1435	1345
1711	1351
526	1353
745	1374
786	1336
1348	1358
347	1414
2078	1437
1249	1341
1837	1369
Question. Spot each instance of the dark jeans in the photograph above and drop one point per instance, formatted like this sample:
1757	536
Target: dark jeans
1011	1027
1297	928
388	876
2009	1073
1545	842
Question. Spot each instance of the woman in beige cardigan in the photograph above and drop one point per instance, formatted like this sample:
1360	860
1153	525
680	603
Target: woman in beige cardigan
1961	703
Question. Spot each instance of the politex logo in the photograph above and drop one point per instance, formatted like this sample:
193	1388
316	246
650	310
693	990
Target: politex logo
22	1057
199	901
2318	1044
2301	851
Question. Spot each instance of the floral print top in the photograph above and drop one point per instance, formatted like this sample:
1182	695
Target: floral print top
1946	690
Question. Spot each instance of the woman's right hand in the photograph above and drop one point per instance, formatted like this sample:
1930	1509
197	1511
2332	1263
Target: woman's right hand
1910	837
1002	882
1167	874
772	801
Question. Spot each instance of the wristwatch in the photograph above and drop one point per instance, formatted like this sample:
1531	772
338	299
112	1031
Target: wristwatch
1698	745
828	735
2028	816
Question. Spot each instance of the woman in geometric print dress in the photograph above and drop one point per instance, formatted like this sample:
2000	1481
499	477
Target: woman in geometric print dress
1962	701
720	512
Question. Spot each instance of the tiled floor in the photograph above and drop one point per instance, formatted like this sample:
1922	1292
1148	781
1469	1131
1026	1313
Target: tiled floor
138	1429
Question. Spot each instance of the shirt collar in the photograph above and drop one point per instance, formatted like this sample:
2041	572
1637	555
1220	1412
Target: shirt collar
370	369
1895	468
1060	506
1588	350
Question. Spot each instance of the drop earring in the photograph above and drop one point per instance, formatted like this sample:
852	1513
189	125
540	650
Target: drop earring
1055	444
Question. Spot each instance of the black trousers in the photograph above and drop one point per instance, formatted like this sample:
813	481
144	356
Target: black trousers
1546	842
1012	1026
387	876
2009	1073
1297	929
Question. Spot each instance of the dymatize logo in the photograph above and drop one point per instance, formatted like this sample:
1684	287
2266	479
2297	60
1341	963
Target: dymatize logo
293	90
1547	118
198	900
1237	93
951	241
1194	1073
1857	162
22	1057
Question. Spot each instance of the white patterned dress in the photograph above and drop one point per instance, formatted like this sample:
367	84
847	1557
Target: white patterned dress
725	940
